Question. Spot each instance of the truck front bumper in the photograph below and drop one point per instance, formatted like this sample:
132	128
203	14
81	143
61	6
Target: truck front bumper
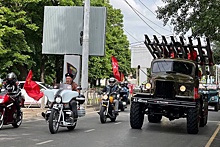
164	102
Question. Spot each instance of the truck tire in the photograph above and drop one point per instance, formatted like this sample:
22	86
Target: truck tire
193	120
216	107
203	117
136	116
154	118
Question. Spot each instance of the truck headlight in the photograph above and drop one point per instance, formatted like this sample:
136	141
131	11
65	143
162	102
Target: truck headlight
148	86
58	100
182	88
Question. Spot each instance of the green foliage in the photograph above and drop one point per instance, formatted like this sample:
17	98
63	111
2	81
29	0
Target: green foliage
13	45
201	16
216	52
116	45
21	35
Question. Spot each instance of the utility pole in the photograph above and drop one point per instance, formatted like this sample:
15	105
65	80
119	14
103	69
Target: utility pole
85	50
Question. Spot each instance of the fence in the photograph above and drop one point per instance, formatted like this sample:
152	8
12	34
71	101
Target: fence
94	98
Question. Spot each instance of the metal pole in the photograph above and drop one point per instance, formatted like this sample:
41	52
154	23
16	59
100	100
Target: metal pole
85	50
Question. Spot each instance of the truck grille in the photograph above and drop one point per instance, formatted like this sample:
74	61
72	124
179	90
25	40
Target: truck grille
164	89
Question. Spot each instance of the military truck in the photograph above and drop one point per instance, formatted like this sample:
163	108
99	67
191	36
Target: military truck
172	87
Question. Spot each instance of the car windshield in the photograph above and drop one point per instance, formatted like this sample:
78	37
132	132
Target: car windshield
172	66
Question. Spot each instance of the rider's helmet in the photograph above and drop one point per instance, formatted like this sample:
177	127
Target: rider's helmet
122	84
112	81
126	83
10	83
11	78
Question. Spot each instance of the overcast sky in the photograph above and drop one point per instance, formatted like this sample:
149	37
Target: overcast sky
134	26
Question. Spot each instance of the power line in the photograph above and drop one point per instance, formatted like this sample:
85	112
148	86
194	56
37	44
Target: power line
130	35
148	8
141	17
144	17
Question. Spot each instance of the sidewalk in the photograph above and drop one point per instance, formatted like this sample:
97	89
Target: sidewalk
31	113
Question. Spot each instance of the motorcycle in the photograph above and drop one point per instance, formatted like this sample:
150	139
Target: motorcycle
60	113
107	109
8	111
123	98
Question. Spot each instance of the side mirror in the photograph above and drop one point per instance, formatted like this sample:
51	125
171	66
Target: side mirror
79	88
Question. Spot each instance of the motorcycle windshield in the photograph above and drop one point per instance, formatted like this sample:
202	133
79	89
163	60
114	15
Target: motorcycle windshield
65	91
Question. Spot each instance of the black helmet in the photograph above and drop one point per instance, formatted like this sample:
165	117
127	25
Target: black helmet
122	84
11	76
69	74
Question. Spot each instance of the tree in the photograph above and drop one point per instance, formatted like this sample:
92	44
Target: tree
116	45
200	16
14	50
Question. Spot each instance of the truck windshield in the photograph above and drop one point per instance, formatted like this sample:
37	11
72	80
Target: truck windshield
172	66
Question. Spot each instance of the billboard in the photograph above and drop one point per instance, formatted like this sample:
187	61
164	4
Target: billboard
63	30
72	65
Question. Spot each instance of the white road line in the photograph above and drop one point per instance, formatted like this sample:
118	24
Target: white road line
89	130
44	142
117	123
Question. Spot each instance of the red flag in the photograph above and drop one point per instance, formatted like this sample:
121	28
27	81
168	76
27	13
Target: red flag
32	88
115	68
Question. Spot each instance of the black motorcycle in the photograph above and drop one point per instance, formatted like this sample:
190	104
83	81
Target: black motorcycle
107	109
123	98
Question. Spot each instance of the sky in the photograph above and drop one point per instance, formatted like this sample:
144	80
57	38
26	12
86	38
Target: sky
134	26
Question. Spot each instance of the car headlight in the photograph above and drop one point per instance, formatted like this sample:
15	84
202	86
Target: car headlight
182	88
213	98
58	100
148	86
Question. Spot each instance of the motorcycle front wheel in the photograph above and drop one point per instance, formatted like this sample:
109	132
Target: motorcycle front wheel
103	117
1	120
53	121
17	121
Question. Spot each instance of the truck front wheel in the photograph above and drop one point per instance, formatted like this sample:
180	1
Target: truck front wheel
136	116
193	120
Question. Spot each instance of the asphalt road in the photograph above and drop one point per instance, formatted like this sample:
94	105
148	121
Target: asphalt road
90	132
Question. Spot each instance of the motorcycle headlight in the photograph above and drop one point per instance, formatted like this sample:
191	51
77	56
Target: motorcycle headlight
105	97
58	100
148	86
182	88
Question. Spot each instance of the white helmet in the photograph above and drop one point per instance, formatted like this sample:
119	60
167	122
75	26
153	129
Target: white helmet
112	81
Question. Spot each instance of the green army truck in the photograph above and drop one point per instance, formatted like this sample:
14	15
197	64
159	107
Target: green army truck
172	87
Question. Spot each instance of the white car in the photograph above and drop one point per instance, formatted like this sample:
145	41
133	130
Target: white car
30	101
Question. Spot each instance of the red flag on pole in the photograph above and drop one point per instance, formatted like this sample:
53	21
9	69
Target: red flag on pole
115	68
32	88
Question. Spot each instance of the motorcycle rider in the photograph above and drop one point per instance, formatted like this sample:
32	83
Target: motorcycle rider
123	90
73	104
113	87
11	86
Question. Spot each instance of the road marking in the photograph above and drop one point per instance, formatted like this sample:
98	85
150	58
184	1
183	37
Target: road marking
89	130
117	123
44	142
213	137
